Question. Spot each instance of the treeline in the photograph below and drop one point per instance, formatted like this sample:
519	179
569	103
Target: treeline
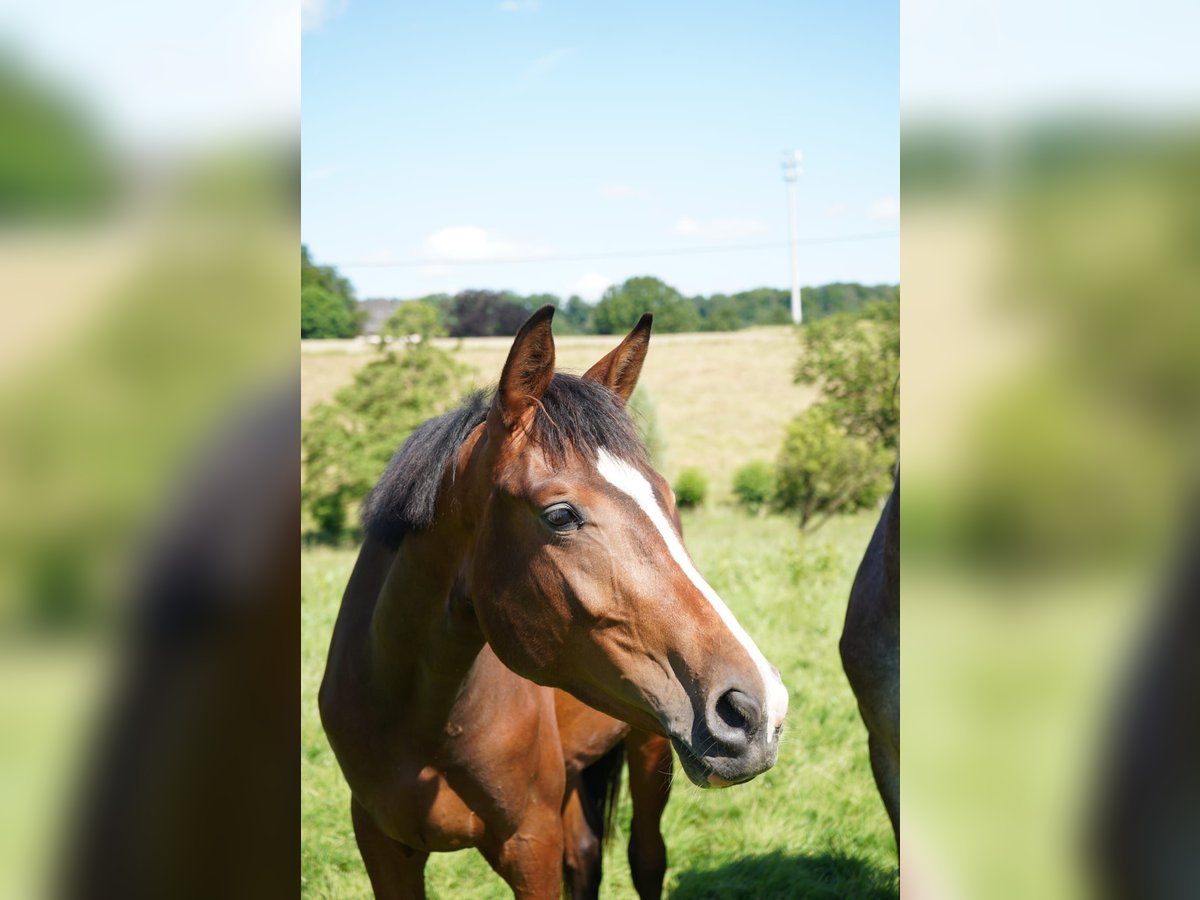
477	313
836	457
328	308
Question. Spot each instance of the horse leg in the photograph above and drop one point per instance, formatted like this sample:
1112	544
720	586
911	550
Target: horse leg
886	768
650	766
397	871
582	843
531	860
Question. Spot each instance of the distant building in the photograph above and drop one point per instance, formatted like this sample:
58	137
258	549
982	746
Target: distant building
378	310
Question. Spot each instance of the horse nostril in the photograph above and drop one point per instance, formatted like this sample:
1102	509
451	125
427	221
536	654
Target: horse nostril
739	712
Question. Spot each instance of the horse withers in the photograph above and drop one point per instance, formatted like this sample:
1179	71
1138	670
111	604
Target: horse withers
870	649
523	608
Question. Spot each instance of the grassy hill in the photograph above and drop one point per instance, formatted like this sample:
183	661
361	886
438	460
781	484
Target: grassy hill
811	827
723	398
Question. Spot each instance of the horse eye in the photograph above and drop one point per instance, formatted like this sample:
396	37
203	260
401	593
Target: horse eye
562	517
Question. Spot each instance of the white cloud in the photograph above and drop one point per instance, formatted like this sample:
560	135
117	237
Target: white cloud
589	286
469	243
836	210
520	6
884	208
315	13
718	229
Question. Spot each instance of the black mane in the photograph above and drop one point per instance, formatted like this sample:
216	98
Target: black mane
574	414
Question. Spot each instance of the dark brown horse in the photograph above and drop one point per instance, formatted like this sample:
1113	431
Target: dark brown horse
522	604
870	649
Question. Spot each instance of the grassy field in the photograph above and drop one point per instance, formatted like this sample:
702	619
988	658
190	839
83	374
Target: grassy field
723	399
813	826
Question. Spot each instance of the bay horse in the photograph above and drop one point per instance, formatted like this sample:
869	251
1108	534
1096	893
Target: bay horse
522	608
870	651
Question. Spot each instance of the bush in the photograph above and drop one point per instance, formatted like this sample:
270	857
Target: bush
346	444
856	363
823	470
645	418
754	485
414	318
691	487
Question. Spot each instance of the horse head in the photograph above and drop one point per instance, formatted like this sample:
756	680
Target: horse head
579	575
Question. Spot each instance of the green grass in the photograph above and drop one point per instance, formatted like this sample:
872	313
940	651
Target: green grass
49	695
813	826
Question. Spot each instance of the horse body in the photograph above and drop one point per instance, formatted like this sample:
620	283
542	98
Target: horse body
443	745
870	651
522	607
453	750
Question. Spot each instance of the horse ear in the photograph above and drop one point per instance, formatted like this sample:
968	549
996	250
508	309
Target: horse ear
619	370
528	369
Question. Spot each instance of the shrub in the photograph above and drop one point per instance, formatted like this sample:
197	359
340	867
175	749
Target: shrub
754	485
691	487
346	444
823	470
856	363
414	318
645	416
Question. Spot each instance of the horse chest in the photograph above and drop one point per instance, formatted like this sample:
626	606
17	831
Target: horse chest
464	792
429	813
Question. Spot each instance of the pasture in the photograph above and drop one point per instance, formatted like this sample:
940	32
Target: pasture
813	826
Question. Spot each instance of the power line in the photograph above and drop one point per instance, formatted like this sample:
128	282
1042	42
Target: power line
630	254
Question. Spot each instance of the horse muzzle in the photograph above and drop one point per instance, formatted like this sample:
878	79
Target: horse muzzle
735	740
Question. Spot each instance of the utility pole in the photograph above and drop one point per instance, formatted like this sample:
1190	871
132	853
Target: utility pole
791	171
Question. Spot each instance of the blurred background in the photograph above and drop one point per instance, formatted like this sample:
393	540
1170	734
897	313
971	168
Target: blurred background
1049	177
148	230
149	223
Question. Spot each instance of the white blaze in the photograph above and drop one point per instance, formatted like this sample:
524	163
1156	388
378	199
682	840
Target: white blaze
632	482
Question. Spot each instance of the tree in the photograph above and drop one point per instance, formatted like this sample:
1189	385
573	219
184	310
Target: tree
323	315
327	280
414	318
723	315
578	312
856	364
326	277
622	305
485	314
53	160
347	443
823	470
844	297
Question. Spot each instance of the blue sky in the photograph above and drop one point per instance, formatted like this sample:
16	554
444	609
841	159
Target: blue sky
585	143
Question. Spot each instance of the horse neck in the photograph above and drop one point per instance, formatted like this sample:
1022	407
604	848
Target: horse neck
424	636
